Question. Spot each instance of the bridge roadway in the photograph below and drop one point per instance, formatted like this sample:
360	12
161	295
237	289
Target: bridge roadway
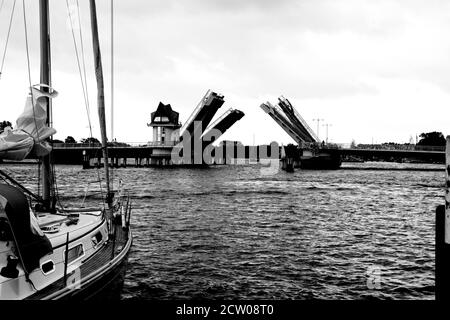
73	153
388	154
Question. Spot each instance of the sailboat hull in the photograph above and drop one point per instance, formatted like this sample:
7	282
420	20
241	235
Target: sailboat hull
102	276
107	287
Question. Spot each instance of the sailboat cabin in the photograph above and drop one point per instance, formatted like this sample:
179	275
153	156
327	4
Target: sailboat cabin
165	124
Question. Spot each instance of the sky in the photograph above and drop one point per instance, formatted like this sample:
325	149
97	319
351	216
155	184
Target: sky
375	71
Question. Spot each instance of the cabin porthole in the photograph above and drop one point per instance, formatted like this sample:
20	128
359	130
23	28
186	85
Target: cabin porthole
47	267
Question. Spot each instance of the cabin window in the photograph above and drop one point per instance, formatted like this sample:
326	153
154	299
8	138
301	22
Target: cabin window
48	267
161	119
97	239
75	253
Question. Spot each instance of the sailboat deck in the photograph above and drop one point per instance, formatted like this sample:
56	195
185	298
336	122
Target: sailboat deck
56	226
112	249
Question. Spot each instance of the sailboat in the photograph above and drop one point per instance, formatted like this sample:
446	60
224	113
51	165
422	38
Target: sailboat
48	251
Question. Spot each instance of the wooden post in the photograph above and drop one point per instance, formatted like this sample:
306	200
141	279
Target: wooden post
442	234
441	259
447	191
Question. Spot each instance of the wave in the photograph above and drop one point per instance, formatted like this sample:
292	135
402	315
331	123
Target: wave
162	194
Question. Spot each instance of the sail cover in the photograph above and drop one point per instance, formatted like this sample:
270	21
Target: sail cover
30	241
28	138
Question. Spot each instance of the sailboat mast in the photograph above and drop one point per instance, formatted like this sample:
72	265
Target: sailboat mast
112	70
100	94
44	22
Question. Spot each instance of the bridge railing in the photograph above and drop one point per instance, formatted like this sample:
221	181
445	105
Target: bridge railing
405	147
76	145
164	144
116	144
430	148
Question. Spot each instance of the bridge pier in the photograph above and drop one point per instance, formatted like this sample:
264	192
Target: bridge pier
115	162
86	160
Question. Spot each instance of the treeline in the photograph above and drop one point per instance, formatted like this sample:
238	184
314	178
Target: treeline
71	139
90	140
432	139
5	124
68	139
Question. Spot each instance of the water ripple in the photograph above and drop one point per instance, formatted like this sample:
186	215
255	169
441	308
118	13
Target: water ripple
233	233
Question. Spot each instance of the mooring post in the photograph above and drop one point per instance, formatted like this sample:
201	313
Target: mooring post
442	249
447	191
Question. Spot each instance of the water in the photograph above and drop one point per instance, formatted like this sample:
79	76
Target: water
233	232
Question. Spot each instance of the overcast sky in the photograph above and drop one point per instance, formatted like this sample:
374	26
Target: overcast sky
372	69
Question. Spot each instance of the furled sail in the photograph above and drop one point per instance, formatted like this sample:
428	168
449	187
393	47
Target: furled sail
28	138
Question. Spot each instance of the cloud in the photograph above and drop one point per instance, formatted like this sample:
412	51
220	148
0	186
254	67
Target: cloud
367	67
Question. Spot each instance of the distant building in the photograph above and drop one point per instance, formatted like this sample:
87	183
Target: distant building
165	124
166	134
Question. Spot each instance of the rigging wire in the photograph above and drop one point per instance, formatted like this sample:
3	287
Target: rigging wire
112	70
7	36
83	77
84	68
112	85
83	63
29	82
88	107
83	82
29	67
87	95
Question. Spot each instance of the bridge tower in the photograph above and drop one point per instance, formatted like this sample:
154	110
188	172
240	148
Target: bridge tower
165	124
166	133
